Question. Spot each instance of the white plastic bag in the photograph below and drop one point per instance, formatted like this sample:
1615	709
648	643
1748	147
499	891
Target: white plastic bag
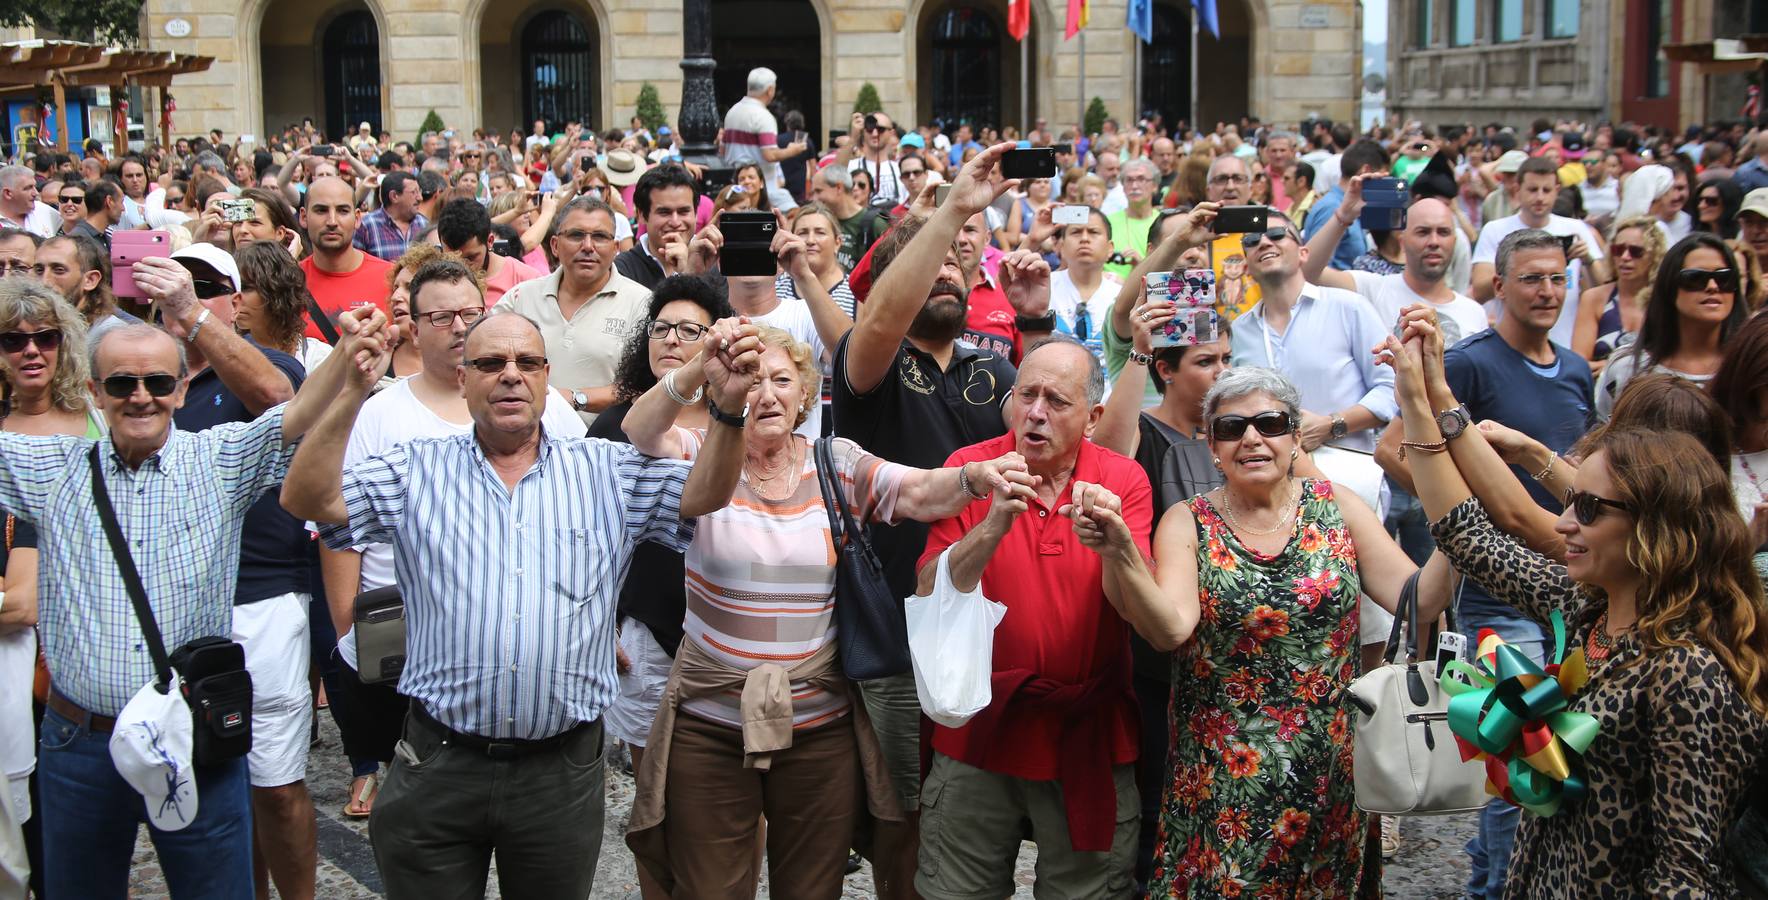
951	638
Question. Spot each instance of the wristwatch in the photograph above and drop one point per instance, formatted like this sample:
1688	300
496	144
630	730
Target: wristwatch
1451	422
718	415
1339	428
1045	322
579	401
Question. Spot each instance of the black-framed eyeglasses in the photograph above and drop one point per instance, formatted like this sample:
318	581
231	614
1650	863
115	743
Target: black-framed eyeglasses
1697	279
442	318
122	387
686	332
495	365
1274	235
1270	423
210	288
15	341
1587	507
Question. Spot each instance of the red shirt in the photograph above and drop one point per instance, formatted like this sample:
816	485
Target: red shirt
1058	622
336	293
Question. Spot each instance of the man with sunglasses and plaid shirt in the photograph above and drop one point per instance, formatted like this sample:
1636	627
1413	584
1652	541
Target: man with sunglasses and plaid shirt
181	499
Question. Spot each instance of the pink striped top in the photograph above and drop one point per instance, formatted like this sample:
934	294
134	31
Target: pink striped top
761	575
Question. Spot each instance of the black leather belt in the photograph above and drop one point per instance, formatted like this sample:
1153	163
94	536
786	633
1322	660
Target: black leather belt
495	748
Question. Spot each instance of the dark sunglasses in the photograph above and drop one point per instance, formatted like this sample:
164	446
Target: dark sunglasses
1631	251
1708	200
209	288
15	341
1274	423
122	387
876	129
71	198
1697	279
494	365
1251	239
1587	507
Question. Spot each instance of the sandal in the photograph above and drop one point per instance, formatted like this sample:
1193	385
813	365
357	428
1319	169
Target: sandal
362	799
1390	836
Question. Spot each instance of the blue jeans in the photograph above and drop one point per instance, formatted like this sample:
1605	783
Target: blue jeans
90	816
1406	520
1488	853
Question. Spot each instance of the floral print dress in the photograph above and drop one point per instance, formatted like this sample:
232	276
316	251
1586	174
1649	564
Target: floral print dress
1261	802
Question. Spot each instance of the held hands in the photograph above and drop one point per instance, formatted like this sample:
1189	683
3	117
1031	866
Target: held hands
1097	515
994	475
1014	489
1025	278
365	337
731	360
1512	445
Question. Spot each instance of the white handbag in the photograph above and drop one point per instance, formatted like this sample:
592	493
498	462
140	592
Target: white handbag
951	639
1407	762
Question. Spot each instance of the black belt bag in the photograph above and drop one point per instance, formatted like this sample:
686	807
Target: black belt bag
216	685
379	625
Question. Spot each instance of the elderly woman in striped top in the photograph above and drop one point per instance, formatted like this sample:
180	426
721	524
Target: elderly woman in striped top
761	720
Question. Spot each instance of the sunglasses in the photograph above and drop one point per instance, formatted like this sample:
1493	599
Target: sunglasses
71	198
1697	279
122	387
1275	235
1273	423
209	288
1587	507
495	365
876	129
1631	251
1708	200
15	341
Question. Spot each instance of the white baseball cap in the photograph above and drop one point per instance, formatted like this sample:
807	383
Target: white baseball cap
1755	202
151	748
212	256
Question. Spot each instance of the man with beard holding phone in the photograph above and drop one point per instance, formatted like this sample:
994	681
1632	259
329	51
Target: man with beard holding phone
906	389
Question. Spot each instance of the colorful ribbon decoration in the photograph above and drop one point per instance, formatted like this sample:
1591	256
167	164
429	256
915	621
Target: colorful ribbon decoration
1514	716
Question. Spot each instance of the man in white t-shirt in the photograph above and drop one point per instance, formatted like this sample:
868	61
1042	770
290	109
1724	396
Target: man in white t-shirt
751	134
19	206
812	317
538	137
1082	292
1428	243
1538	187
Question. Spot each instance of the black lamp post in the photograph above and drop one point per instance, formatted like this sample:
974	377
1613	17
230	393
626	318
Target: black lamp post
699	106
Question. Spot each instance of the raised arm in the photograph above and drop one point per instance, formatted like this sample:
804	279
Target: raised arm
732	364
928	495
313	488
650	424
1120	427
1318	266
1192	231
249	374
971	553
831	323
362	352
901	291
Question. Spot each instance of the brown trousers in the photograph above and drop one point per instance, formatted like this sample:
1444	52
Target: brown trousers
810	796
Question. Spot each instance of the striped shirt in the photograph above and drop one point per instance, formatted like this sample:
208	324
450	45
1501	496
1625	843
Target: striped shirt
182	511
509	594
761	575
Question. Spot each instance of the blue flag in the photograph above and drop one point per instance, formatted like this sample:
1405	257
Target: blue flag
1207	10
1141	19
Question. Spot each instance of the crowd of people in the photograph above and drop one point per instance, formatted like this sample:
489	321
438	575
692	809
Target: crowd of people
506	376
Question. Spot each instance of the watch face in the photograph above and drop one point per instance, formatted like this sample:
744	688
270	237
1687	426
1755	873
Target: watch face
1451	423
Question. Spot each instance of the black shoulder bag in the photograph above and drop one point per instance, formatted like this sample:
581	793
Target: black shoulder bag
216	685
870	630
321	321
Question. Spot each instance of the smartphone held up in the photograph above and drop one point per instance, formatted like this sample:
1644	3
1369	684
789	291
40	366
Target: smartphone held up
1192	292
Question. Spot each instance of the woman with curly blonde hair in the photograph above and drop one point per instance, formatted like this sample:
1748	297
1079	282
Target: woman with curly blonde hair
1610	315
43	358
1658	591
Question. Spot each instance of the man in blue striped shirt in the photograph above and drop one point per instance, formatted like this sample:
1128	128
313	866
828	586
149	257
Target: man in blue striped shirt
510	545
180	499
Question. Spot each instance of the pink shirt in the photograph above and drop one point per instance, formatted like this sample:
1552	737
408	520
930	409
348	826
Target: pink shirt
514	272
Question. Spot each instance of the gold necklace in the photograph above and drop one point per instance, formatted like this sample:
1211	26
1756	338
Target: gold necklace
1228	513
756	481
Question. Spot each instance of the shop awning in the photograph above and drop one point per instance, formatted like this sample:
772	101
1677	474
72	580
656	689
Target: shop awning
65	64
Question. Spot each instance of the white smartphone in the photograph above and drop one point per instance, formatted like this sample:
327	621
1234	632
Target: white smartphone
1070	214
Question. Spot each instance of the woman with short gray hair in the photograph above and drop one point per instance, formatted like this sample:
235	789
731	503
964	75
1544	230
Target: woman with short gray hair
1257	592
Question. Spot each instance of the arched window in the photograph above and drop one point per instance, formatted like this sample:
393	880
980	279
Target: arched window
966	48
352	53
1166	66
558	70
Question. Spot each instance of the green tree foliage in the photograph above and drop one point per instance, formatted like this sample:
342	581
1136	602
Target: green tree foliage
432	122
1096	116
650	108
99	21
868	101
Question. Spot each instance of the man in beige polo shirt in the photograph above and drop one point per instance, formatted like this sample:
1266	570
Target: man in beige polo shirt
586	311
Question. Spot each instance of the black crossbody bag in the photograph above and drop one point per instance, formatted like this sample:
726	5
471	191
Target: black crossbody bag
870	628
216	685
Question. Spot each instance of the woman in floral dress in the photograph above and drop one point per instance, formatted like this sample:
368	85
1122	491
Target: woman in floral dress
1257	587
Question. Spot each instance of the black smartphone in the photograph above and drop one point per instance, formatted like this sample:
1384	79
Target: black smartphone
1031	162
1241	219
748	244
585	163
1565	240
321	150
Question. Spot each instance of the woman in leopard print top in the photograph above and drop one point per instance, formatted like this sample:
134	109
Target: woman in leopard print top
1658	589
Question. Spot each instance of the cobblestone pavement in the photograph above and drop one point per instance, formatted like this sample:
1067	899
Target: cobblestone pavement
1430	866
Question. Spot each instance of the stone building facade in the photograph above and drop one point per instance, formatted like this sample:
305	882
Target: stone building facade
502	64
1511	61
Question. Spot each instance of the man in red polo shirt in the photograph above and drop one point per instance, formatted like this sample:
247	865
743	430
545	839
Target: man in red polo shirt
339	275
1057	745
